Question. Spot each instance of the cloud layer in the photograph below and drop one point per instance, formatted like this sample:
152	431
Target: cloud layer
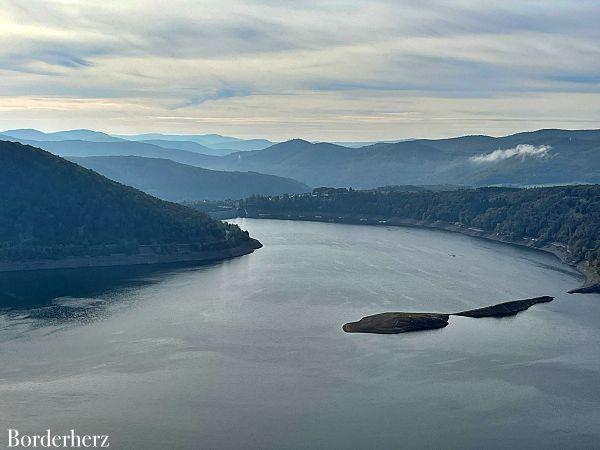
521	151
342	69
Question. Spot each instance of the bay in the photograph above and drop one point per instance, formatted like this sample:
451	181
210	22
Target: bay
250	352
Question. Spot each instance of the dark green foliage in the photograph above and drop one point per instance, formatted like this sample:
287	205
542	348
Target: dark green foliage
564	214
50	207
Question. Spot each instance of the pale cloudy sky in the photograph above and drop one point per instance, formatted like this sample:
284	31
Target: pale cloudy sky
322	70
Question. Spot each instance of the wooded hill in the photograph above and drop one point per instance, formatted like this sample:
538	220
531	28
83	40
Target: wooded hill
53	208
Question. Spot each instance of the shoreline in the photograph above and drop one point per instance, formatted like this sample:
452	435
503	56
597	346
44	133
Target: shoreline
131	260
557	249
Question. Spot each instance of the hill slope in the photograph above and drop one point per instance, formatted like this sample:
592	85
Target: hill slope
179	182
53	208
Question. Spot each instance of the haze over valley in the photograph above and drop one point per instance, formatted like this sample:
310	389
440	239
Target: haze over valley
529	158
173	181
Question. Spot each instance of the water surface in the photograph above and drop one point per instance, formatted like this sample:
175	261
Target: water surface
249	352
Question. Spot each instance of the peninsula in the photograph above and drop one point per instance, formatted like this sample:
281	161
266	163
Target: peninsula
56	214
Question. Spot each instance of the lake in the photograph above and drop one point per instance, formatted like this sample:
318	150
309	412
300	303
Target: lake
249	352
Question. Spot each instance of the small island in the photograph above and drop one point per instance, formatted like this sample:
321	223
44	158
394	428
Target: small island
397	322
504	309
593	288
402	322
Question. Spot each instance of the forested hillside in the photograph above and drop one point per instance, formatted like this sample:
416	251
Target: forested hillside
562	214
51	208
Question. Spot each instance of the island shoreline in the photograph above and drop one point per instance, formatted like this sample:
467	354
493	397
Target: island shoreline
201	257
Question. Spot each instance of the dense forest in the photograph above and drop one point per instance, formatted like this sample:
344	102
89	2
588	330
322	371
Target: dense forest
52	208
562	214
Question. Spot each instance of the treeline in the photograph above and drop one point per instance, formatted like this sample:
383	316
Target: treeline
52	208
565	214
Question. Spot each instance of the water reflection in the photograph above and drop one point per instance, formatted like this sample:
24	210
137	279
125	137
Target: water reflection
72	295
249	353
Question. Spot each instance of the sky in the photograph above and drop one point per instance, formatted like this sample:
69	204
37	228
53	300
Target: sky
345	70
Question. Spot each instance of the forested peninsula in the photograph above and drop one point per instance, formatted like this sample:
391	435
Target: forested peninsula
54	213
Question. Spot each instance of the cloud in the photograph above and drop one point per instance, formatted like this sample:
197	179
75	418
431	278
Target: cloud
521	151
450	62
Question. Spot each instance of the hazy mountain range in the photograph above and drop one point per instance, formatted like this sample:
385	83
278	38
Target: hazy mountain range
210	144
36	135
538	157
118	148
173	181
214	141
205	139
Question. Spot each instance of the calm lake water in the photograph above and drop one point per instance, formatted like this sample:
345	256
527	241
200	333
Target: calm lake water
249	353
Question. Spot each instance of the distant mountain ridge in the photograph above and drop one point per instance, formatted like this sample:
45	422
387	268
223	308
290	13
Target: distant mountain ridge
214	141
243	145
210	144
173	181
204	139
36	135
539	157
550	156
78	148
188	146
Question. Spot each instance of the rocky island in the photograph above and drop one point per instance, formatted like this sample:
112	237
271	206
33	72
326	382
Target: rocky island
504	309
402	322
589	289
397	322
